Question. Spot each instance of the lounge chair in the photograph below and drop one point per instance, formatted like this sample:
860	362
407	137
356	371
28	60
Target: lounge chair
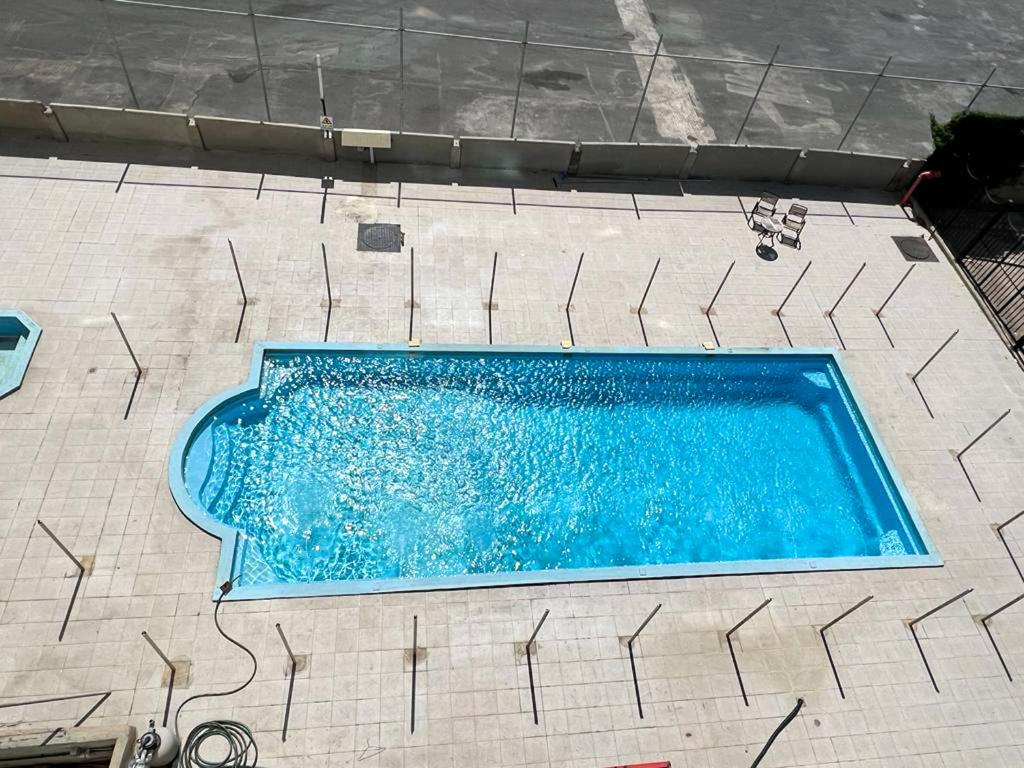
763	207
792	225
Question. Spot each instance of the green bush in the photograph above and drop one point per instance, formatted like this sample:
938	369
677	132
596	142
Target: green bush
978	146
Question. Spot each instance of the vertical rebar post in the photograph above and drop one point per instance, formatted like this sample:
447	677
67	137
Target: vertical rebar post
732	651
330	296
490	300
647	83
711	306
78	581
259	61
824	640
320	84
878	312
291	682
999	532
102	698
830	313
757	93
632	658
519	79
640	309
568	303
170	679
775	734
412	289
914	622
415	636
529	664
401	71
984	623
981	88
960	454
120	56
135	360
241	287
778	312
863	104
913	376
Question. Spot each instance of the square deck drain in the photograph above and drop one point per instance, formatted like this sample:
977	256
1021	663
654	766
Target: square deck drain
383	238
915	249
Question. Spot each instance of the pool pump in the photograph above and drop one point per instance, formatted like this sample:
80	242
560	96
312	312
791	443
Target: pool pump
156	747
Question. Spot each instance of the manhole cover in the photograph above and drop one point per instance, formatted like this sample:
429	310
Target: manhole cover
915	249
387	238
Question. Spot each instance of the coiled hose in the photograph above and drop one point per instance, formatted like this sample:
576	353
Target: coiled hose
236	737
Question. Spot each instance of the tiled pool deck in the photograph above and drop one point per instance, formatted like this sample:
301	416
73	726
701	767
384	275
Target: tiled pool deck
74	247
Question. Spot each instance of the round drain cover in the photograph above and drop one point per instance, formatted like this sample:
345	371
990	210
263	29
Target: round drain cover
380	237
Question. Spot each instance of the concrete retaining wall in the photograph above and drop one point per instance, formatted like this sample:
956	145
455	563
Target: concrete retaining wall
846	169
24	117
253	135
743	163
82	123
621	159
417	149
516	154
714	161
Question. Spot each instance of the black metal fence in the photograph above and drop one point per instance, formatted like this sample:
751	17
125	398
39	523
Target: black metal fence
986	234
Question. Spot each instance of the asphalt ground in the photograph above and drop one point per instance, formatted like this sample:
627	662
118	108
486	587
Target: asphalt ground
201	63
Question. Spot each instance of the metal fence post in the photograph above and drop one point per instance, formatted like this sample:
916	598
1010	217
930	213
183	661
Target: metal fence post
170	680
831	313
241	287
732	651
320	85
259	61
871	90
960	454
756	94
529	664
291	682
568	302
78	583
519	80
914	622
913	376
401	70
632	658
778	312
640	309
981	88
824	640
647	83
120	55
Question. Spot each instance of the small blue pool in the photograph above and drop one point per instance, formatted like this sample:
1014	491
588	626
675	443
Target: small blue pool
353	469
19	335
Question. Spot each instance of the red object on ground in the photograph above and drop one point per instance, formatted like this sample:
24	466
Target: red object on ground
663	764
923	176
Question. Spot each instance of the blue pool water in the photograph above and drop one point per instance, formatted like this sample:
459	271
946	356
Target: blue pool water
366	465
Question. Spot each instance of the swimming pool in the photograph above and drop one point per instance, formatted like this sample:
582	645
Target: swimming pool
350	469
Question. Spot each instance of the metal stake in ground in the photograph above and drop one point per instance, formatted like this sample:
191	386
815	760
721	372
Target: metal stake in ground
711	306
320	86
135	360
415	635
960	455
824	640
241	287
878	312
412	294
529	664
647	83
913	376
490	300
291	682
78	581
330	296
259	61
999	533
984	623
863	104
778	312
830	313
170	679
632	659
776	732
981	88
757	93
519	79
640	309
732	652
120	55
924	616
568	303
